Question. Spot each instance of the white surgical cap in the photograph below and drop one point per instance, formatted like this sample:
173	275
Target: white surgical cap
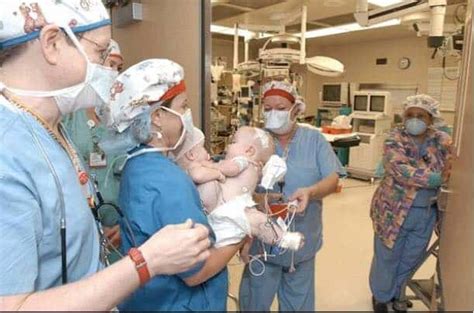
289	89
191	141
22	21
136	89
425	102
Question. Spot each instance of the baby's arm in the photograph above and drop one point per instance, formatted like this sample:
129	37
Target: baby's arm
231	168
203	174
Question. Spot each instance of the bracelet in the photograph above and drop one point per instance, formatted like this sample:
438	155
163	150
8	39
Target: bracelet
140	265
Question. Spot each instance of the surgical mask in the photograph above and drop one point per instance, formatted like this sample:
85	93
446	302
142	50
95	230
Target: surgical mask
92	92
415	126
278	122
188	127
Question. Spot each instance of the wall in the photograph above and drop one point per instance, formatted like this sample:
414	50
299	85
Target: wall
170	29
225	48
359	61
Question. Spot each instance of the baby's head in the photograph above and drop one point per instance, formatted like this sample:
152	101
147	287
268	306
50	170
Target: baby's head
193	150
253	143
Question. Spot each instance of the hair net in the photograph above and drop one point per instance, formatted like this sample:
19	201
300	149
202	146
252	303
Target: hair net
285	90
22	21
427	103
190	142
138	90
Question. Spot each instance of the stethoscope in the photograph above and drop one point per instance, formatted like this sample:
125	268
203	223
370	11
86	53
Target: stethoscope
101	204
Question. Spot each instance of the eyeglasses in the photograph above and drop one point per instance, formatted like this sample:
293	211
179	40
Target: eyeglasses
103	49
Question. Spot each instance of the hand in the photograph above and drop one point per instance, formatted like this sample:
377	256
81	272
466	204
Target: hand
302	195
245	250
176	248
113	235
221	178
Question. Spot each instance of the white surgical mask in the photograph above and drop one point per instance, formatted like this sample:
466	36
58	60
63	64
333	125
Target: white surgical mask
188	127
92	92
278	122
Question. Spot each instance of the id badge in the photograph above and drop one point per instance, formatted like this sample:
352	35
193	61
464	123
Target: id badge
97	159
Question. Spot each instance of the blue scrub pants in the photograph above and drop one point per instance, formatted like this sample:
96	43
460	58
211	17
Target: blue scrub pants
295	290
392	267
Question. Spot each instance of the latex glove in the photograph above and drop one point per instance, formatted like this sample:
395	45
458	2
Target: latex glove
165	257
302	195
113	235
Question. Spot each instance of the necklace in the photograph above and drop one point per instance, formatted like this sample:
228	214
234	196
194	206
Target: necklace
60	138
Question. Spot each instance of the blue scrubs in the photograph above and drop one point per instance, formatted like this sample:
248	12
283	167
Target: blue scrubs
310	159
155	192
29	210
392	267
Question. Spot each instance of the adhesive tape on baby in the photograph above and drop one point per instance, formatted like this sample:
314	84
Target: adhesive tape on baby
273	171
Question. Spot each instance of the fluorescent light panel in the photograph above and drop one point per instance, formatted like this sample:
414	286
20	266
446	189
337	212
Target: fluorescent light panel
384	3
347	28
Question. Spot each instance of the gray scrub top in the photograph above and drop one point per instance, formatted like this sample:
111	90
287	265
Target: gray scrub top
310	159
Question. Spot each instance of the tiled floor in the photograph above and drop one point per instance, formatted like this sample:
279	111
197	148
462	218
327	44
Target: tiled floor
342	265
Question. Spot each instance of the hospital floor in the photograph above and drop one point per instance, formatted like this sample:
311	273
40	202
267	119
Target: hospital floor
343	264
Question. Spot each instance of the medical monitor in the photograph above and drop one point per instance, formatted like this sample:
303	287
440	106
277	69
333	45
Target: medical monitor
371	102
245	92
361	103
335	94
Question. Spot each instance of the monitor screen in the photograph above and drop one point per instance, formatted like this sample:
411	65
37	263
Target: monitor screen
360	103
377	104
332	93
245	92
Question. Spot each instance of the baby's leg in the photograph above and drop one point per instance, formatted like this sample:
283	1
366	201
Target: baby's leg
271	233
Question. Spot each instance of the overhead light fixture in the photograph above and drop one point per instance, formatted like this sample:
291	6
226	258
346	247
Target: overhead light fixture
224	30
231	31
347	28
384	3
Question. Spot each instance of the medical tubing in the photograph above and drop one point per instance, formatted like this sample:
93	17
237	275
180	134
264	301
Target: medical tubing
62	219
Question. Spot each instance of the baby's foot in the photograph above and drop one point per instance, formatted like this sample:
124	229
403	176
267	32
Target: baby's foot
292	241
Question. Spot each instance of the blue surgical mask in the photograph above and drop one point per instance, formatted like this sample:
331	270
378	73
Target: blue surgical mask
415	126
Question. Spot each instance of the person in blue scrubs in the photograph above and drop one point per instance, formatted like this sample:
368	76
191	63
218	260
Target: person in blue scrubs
404	212
155	192
313	173
85	132
44	186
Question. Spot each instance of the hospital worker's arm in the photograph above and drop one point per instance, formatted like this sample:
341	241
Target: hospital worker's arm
328	168
201	175
405	170
321	189
214	264
104	290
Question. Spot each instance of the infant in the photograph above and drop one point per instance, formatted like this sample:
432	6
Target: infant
226	188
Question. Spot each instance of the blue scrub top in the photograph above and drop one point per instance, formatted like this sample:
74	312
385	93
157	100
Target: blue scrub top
155	192
310	159
29	210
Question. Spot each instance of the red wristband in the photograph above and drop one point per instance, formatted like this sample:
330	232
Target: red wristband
140	265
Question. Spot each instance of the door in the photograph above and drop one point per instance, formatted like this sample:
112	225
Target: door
456	253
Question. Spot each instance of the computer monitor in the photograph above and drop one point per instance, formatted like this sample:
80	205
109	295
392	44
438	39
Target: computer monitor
335	94
377	103
361	103
373	102
245	92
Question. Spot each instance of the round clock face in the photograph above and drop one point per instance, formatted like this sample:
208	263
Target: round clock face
404	63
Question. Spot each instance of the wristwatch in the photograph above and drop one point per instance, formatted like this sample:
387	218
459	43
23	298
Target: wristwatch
140	265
